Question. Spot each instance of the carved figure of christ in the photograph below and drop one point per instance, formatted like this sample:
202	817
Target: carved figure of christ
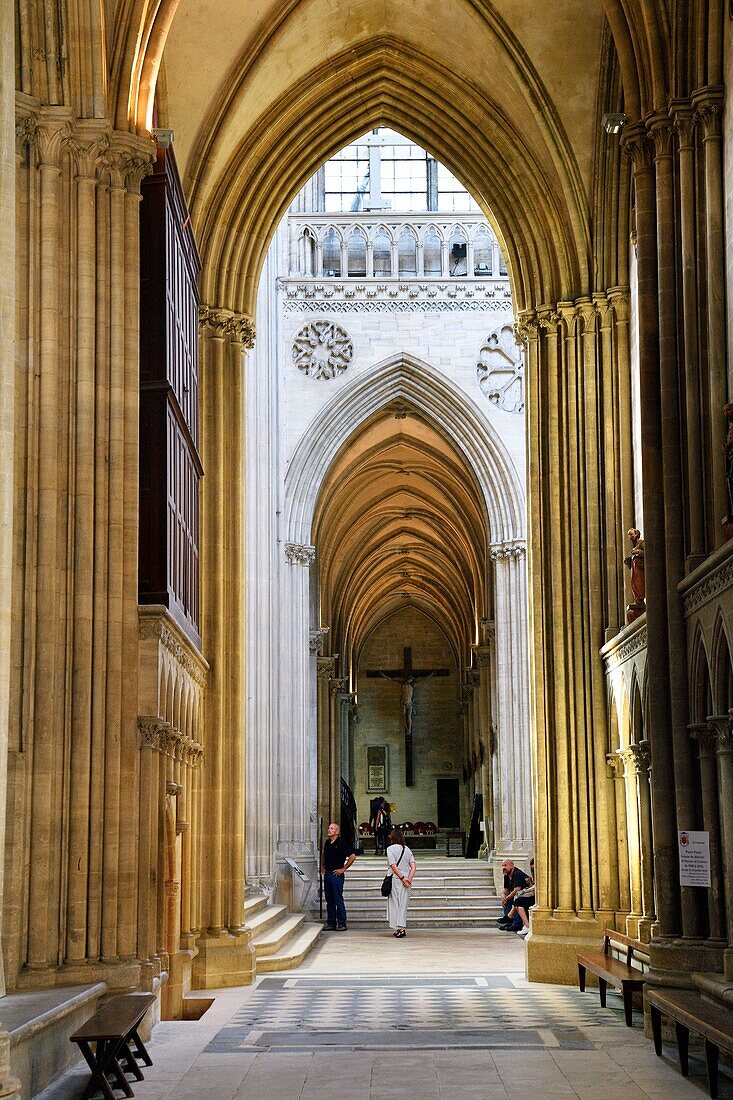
406	677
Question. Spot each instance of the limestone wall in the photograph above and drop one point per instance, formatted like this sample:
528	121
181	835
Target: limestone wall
728	184
437	724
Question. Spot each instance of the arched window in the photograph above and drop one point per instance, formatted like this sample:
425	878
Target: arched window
407	252
357	254
482	248
457	258
382	252
332	254
431	252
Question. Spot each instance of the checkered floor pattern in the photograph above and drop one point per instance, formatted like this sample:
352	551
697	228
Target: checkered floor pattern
306	1013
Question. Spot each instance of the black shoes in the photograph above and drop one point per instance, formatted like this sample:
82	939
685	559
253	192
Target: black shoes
341	928
400	935
329	928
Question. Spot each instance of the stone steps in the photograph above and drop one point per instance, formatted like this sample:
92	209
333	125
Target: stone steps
280	939
292	953
448	892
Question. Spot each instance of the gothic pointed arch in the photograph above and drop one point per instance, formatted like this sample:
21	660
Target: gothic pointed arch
414	382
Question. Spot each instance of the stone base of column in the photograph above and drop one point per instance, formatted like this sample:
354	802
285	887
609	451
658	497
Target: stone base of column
124	974
673	961
553	946
180	976
223	961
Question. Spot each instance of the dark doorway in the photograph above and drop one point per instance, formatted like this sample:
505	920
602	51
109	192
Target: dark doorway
449	804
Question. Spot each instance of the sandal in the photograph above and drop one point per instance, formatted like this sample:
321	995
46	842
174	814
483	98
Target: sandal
401	934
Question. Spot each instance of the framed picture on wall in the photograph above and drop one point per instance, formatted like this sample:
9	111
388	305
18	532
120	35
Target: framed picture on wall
376	767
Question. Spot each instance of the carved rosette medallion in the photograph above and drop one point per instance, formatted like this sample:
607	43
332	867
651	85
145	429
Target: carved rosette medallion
504	551
500	370
322	349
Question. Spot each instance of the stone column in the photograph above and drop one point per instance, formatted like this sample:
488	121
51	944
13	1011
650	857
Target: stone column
723	726
683	120
263	571
628	758
225	955
316	643
336	689
704	733
326	668
616	775
674	520
482	682
292	804
708	106
9	1085
513	838
638	147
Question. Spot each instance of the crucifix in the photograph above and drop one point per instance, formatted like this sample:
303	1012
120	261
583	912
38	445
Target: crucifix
406	677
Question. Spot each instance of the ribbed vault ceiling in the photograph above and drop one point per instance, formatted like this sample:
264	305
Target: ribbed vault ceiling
399	522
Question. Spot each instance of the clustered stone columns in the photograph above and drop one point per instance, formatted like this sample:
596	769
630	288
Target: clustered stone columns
295	832
684	499
325	672
715	743
225	956
73	757
513	768
574	350
9	1085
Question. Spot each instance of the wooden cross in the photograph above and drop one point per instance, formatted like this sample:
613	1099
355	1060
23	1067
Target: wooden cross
406	676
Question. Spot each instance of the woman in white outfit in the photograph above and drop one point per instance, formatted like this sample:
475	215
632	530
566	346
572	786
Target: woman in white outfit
402	865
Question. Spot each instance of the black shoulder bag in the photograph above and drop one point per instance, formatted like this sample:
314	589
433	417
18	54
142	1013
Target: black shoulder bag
387	884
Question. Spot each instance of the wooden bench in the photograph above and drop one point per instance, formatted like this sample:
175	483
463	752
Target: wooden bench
114	1030
712	1021
616	972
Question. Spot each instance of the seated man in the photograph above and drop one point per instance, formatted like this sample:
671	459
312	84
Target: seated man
514	881
523	902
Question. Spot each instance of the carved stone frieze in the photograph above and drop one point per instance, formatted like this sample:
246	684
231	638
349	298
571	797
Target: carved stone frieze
157	627
500	370
637	643
296	554
322	349
239	326
502	551
709	588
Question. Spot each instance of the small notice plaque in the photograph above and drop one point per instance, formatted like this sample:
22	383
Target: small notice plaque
694	858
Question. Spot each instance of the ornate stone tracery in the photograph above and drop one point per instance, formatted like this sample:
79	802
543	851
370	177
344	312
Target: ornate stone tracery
322	349
500	370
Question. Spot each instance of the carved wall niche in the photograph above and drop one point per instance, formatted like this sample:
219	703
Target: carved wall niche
500	370
322	349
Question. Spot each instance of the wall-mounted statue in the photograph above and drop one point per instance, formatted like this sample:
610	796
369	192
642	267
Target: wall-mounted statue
635	563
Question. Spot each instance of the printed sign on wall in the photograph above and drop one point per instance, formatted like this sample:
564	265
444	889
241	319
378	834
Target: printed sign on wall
694	858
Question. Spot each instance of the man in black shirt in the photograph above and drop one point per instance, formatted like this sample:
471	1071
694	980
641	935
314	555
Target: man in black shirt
336	859
514	881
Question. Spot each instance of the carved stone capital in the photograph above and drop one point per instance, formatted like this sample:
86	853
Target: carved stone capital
295	554
503	551
722	726
586	312
238	326
705	736
636	758
316	640
325	667
473	677
52	132
683	120
150	728
483	655
620	299
638	147
708	108
488	630
615	765
663	134
526	327
337	686
26	126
